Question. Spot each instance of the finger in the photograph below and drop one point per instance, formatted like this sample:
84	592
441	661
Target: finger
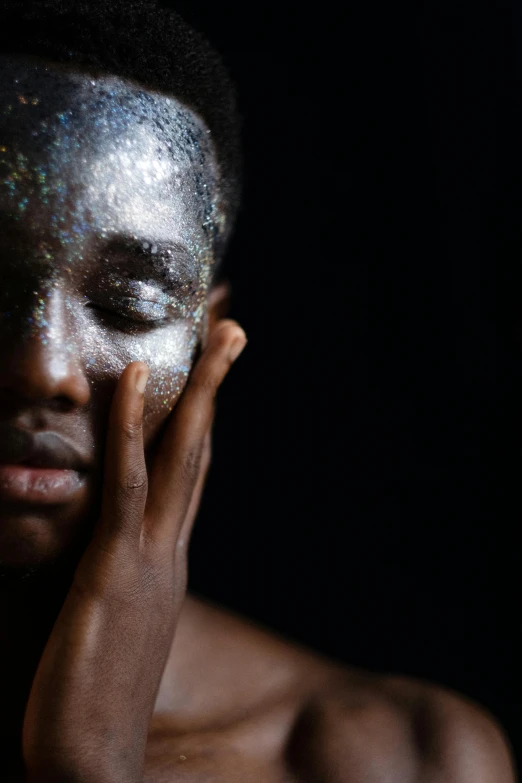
195	501
125	476
177	464
183	542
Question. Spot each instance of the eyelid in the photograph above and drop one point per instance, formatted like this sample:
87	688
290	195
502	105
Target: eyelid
146	293
129	317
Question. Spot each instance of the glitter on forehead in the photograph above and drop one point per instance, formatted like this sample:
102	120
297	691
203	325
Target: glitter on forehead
115	125
83	160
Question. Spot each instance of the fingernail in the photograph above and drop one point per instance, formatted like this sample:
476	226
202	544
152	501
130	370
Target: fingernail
141	380
237	348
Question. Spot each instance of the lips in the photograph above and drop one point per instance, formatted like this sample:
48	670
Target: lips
39	449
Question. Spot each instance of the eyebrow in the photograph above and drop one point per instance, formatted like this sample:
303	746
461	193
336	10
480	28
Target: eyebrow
169	263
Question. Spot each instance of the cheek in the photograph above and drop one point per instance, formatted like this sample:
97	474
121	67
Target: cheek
169	352
170	358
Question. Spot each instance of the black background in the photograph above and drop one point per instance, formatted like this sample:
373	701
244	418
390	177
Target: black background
363	498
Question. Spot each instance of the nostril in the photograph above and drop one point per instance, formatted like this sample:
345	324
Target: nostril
61	404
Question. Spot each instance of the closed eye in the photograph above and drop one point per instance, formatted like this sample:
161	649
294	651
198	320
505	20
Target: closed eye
149	317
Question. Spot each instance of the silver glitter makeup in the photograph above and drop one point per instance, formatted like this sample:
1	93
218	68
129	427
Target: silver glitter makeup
109	199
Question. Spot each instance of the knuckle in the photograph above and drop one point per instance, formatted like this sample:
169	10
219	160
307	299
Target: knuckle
134	483
190	464
132	431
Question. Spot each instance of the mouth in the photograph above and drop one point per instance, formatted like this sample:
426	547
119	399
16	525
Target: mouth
40	467
42	463
40	485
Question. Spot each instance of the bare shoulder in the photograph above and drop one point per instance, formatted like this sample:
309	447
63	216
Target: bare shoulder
381	728
459	739
305	717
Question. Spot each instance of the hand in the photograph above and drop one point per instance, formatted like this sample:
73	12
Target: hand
93	695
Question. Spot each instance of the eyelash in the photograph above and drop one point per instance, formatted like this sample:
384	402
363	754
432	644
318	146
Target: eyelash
125	322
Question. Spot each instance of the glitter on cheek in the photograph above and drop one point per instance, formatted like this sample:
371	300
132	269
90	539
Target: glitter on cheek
168	351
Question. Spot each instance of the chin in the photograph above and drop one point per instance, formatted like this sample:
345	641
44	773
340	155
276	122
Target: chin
33	539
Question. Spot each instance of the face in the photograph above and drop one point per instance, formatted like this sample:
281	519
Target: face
109	205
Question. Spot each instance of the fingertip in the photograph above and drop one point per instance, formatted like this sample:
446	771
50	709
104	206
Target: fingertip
142	378
136	375
237	347
228	333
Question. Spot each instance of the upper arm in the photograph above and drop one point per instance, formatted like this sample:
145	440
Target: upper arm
340	739
444	739
459	741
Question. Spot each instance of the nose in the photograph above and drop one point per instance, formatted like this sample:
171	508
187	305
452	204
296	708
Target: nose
39	354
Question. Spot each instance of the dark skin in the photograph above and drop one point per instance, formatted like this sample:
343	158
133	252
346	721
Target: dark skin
109	670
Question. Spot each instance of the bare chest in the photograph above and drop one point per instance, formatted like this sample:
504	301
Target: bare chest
251	750
224	771
213	760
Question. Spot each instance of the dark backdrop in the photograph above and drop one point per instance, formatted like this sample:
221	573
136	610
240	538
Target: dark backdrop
363	498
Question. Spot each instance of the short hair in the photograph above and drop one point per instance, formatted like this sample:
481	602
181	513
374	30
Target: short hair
150	44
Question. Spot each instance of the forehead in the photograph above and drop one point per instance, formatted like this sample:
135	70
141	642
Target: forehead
83	155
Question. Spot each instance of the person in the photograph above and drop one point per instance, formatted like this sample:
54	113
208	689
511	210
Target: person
119	188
